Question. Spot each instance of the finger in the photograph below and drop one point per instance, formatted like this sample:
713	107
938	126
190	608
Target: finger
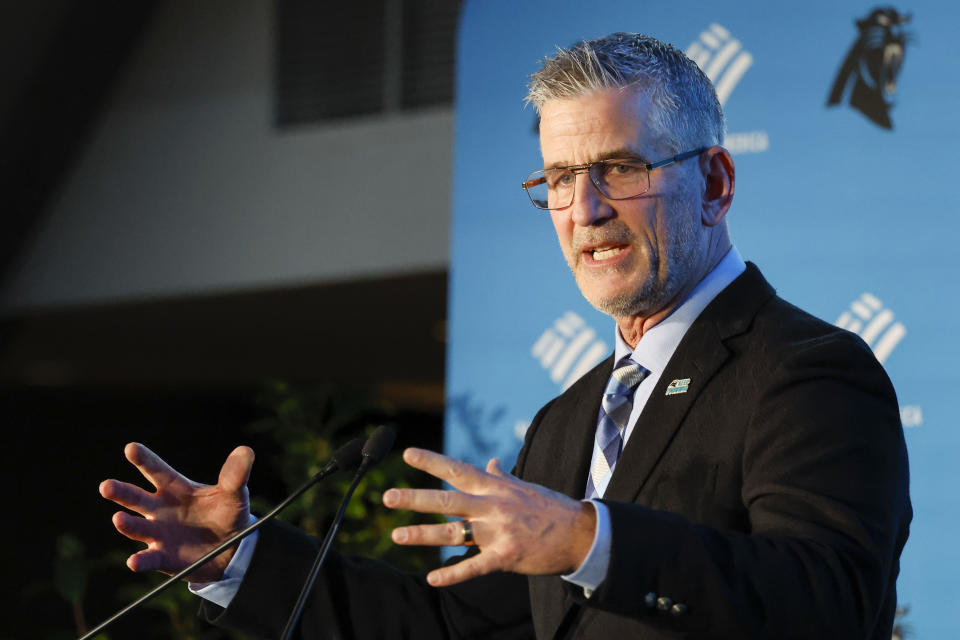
236	470
129	496
493	468
134	528
152	466
150	560
450	503
475	566
461	475
447	534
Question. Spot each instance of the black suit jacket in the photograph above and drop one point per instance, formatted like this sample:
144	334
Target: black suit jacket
769	500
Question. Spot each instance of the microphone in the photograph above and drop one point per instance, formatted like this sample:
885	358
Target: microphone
348	456
373	451
378	445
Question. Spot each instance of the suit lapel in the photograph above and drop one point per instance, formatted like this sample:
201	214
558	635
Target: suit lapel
698	357
577	448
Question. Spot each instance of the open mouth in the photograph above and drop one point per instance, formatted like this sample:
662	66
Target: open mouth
604	253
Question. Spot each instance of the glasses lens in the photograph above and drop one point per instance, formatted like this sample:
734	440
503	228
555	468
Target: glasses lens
550	189
620	179
536	187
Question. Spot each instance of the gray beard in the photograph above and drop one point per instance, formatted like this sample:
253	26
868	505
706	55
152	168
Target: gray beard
645	301
651	295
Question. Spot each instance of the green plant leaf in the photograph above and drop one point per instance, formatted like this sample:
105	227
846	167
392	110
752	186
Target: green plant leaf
70	568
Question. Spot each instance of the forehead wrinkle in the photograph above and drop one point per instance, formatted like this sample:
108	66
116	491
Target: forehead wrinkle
623	153
586	141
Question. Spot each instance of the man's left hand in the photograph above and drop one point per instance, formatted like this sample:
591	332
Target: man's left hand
518	526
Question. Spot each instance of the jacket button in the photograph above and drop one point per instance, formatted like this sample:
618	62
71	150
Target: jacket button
664	603
650	600
678	610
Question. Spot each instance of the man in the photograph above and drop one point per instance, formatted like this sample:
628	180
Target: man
744	460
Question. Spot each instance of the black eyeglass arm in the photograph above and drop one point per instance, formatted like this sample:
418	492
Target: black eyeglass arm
676	158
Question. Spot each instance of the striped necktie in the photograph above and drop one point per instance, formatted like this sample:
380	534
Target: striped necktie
615	409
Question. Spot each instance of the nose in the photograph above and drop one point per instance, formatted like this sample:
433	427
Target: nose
589	207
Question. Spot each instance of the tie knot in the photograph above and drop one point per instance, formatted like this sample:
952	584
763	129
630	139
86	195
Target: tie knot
627	374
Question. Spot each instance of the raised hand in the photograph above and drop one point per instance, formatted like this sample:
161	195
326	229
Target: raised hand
182	519
519	527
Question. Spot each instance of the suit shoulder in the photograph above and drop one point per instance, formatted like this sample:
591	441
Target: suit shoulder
796	344
751	309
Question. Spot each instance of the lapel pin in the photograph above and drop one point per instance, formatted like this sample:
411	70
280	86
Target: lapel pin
678	386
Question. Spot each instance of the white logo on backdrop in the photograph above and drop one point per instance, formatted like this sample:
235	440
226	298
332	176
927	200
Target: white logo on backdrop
911	416
724	60
569	349
868	318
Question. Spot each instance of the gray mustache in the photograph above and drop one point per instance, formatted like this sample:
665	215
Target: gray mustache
613	232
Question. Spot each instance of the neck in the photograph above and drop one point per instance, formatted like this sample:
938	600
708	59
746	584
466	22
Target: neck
632	328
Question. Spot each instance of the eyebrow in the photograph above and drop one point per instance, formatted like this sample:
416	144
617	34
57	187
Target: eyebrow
622	153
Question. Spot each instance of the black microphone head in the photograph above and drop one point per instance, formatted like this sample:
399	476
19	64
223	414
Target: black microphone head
379	443
349	455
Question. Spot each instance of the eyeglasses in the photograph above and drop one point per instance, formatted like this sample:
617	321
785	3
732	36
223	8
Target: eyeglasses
618	179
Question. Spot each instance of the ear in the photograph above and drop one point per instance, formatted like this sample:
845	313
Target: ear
718	173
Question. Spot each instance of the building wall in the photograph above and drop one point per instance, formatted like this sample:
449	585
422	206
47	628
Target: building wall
187	187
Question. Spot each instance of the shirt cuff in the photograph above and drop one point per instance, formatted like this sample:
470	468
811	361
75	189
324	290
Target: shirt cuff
593	571
221	592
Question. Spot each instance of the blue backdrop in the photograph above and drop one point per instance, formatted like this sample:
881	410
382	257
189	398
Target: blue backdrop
848	215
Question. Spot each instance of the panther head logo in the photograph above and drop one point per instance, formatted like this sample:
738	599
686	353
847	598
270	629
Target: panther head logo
869	72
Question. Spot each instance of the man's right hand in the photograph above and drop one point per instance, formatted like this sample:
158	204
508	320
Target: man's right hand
183	519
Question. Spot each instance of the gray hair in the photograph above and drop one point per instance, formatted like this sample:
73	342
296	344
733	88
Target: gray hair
685	110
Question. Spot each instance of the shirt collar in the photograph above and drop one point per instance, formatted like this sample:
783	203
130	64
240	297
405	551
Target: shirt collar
658	343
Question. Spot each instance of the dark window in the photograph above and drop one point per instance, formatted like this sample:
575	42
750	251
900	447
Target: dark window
429	42
335	60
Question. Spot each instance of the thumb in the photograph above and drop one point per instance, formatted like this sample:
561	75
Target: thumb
493	467
236	470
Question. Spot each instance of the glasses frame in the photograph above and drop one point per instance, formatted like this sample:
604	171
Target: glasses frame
539	177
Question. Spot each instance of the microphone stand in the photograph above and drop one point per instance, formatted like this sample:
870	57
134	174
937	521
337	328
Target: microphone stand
374	450
322	555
